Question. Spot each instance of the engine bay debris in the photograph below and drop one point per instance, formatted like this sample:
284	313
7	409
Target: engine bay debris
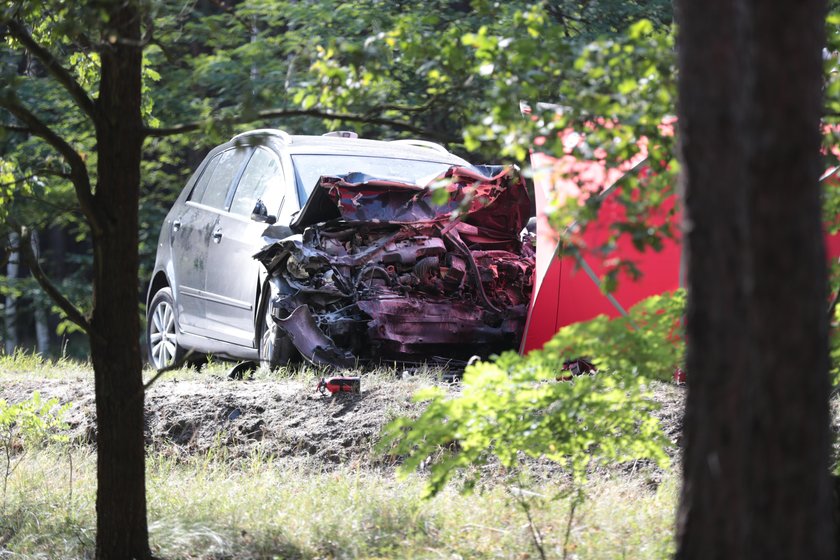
382	270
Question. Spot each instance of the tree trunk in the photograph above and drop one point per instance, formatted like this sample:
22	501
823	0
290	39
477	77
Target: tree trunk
709	121
42	327
115	343
789	482
757	426
10	310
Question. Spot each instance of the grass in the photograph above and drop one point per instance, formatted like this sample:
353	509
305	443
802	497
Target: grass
29	365
213	507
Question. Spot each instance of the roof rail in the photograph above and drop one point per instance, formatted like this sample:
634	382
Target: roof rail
422	144
284	136
341	134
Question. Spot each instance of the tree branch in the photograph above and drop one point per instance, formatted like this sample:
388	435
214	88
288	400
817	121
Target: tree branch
15	128
281	113
401	108
78	170
178	364
73	313
50	219
53	67
35	175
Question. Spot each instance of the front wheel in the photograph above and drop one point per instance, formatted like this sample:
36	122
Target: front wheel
164	350
276	349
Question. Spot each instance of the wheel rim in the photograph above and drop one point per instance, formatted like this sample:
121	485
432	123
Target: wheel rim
162	335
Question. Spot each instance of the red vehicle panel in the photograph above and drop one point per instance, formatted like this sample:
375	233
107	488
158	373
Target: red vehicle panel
567	287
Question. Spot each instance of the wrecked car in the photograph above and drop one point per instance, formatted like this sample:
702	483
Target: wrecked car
338	249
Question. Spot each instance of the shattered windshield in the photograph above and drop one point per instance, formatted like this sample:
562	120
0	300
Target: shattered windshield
310	167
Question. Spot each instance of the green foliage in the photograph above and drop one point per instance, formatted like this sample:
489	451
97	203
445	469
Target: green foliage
648	342
26	425
831	187
832	66
515	407
31	422
485	58
7	188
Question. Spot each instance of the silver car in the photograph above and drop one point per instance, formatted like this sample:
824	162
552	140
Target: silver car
282	247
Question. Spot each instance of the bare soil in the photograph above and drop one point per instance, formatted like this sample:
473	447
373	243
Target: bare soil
280	418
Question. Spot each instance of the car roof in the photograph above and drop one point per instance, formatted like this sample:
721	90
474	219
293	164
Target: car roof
403	148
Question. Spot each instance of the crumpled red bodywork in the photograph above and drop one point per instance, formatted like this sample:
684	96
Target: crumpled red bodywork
379	271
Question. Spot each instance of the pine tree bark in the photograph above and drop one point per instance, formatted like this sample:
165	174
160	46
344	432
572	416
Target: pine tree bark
757	426
122	531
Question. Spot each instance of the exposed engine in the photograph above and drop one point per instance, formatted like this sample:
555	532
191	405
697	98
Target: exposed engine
389	275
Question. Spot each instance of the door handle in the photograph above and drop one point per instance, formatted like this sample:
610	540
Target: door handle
176	225
217	235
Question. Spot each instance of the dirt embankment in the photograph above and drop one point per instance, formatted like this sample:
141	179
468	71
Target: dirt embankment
282	418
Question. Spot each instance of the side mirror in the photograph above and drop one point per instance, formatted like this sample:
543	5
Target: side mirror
260	214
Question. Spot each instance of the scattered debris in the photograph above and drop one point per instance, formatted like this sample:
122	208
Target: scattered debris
578	366
335	385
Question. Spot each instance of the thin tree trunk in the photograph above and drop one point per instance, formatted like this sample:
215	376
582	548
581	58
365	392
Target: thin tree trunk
756	430
42	328
10	310
121	499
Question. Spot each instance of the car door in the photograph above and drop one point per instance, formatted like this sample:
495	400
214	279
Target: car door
192	235
233	275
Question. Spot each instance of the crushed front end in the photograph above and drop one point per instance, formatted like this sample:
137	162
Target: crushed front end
382	270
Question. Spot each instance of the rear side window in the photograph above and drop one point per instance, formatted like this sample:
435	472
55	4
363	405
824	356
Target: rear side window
215	192
262	179
201	184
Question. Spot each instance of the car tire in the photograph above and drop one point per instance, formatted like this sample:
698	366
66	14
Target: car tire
276	349
162	331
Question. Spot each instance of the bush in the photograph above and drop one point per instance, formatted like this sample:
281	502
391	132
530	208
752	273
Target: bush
515	407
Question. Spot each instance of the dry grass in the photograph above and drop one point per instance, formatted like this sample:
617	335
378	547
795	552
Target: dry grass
27	365
220	504
212	507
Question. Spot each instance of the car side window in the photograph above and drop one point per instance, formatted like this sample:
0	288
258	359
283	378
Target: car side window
215	194
204	179
262	179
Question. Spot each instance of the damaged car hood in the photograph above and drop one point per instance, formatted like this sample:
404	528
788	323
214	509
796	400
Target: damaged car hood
498	203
